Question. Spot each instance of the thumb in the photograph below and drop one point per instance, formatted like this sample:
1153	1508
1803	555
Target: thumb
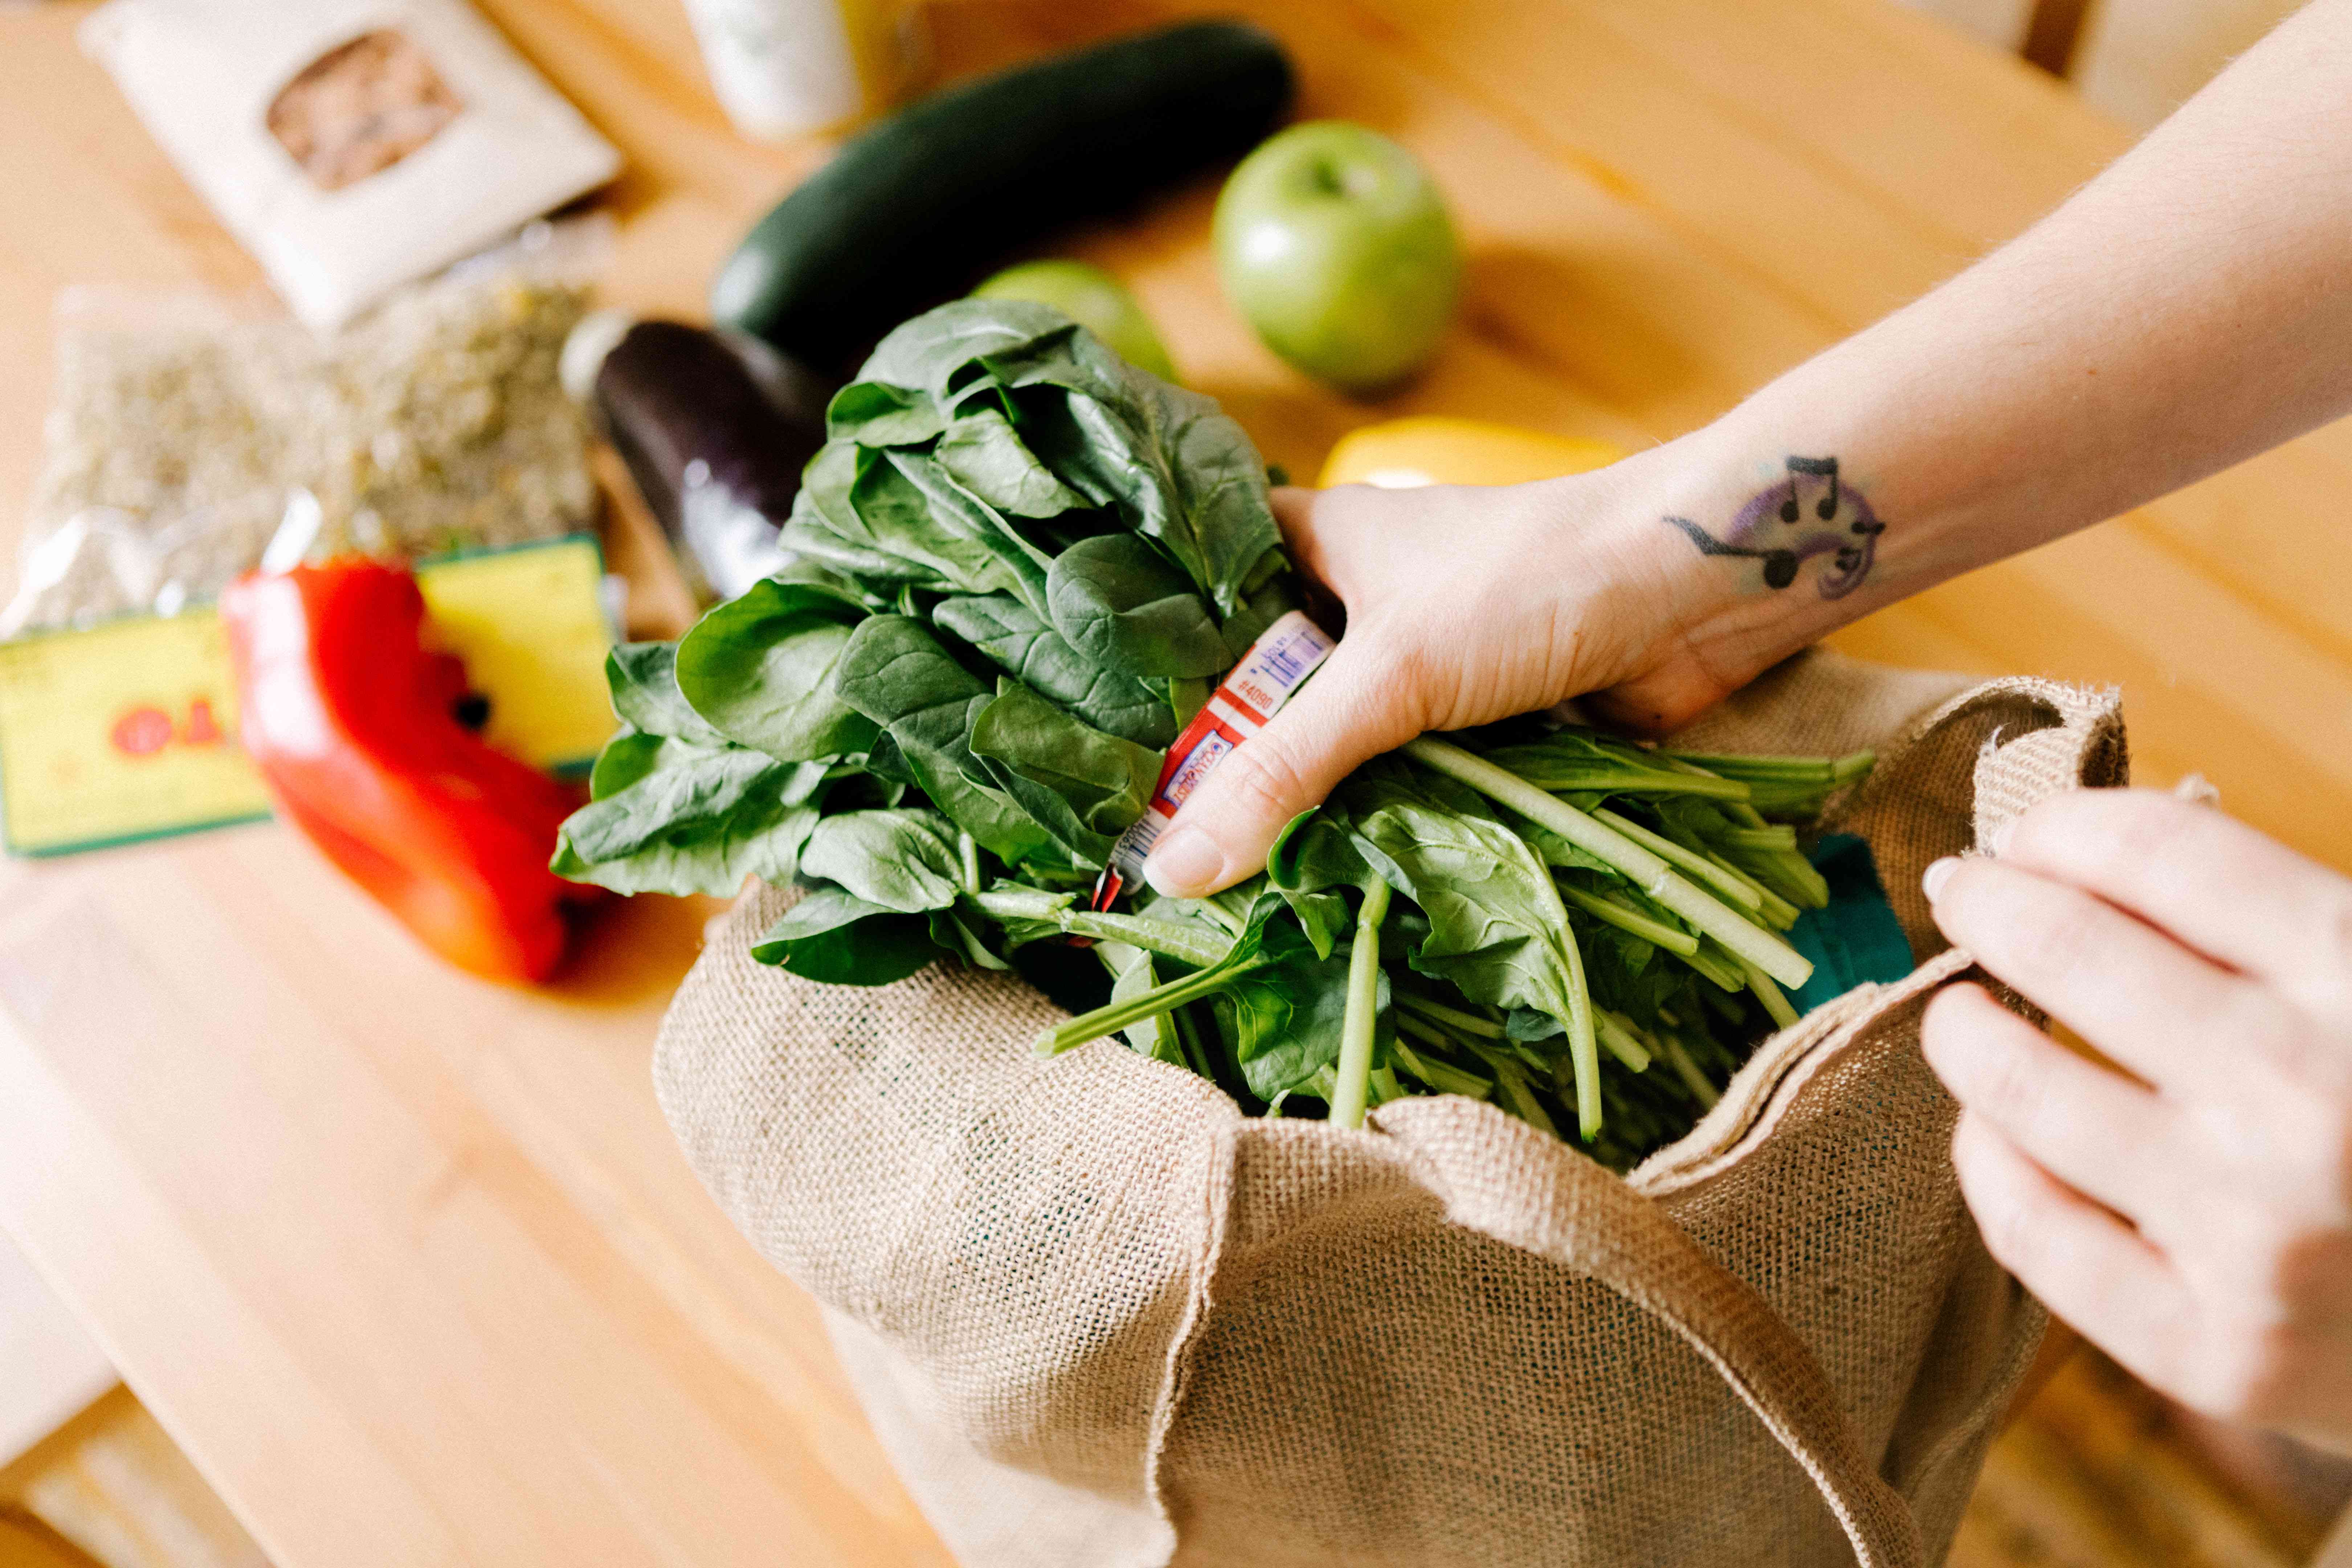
1346	715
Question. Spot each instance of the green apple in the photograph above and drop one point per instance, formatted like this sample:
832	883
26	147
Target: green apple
1333	242
1092	298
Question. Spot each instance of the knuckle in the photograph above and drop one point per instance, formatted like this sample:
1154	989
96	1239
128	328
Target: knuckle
2011	1230
2309	1271
2094	828
2013	1235
2006	1084
2255	1017
2030	927
2266	1035
2331	923
2247	1369
1391	664
1264	780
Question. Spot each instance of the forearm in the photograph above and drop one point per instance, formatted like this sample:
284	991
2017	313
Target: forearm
2188	308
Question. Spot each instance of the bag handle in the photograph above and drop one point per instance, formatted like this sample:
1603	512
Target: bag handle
1581	1217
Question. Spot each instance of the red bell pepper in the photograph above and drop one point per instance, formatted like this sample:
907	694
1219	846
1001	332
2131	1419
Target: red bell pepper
352	721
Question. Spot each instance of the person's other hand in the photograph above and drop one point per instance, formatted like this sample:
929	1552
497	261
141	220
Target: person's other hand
1464	605
2197	1224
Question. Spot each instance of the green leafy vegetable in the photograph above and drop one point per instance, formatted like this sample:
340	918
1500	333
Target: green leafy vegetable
759	669
1020	565
1124	605
685	818
838	939
1102	779
901	860
1017	640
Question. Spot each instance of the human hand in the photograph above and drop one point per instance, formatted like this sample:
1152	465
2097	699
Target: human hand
2197	1225
1464	605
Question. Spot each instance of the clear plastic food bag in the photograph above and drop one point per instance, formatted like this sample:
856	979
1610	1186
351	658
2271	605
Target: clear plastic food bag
183	426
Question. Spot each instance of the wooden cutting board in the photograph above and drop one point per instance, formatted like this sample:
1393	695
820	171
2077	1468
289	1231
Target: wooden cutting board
409	1263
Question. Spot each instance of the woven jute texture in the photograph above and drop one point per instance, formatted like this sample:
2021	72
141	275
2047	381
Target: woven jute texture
1101	1320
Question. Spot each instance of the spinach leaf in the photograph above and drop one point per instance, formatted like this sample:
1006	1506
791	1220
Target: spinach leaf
1001	559
1176	466
1104	781
1260	608
759	669
1137	972
1018	641
627	757
837	939
1123	605
643	679
876	414
1315	855
863	512
1497	928
824	525
895	672
952	932
1286	1018
903	860
1558	851
945	351
983	452
1317	851
692	820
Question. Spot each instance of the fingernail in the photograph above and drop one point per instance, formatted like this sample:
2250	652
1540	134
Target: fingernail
1938	872
1183	864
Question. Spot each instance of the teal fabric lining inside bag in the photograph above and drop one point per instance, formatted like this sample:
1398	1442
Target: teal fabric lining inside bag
1857	937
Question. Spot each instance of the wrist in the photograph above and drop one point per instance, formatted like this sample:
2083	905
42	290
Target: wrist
1745	551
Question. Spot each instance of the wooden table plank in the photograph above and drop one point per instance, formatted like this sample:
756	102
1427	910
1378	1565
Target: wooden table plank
410	1264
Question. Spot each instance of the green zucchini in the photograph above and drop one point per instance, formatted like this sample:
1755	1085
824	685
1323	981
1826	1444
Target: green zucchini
919	208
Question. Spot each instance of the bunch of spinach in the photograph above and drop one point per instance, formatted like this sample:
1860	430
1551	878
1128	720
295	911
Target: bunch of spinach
1020	566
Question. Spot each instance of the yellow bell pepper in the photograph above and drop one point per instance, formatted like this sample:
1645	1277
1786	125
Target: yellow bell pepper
1399	454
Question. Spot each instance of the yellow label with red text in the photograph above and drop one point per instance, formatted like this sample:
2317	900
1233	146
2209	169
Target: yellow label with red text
128	730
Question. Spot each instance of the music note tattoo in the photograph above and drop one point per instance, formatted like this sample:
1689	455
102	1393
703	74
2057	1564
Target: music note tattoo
1805	515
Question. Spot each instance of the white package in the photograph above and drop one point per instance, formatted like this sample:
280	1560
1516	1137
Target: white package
351	145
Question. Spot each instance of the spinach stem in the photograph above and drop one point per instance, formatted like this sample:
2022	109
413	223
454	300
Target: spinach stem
1517	1094
1775	1003
968	852
1441	1076
1186	944
1583	1045
1722	970
1453	1017
1653	875
1730	884
1364	1014
1427	1033
1678	1056
1110	1018
1616	1033
1777	911
1611	912
1187	1033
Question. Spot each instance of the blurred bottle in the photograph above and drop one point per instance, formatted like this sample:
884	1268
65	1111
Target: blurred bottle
787	68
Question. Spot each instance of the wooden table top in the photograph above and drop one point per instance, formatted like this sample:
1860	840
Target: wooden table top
410	1264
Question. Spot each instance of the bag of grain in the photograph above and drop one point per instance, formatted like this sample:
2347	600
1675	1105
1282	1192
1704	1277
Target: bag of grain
351	145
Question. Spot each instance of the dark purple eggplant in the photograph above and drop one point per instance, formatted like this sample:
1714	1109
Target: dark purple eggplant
715	431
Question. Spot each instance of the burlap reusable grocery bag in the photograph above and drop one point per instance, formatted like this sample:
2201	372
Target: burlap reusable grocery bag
1098	1318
